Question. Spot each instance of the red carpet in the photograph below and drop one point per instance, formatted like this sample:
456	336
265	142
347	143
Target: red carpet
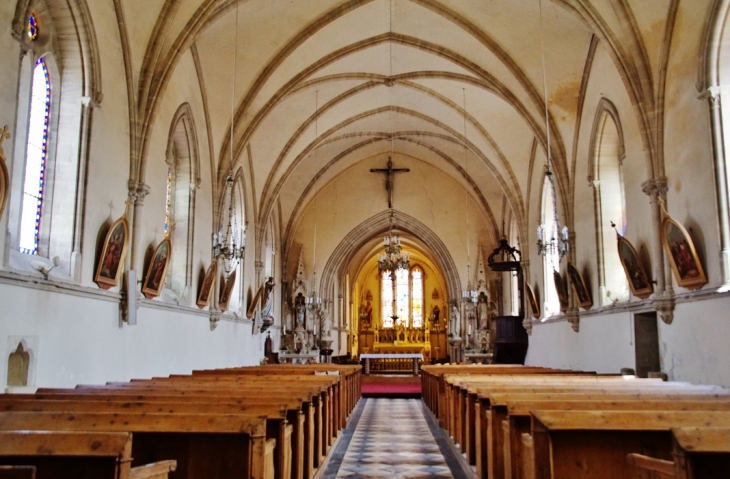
389	386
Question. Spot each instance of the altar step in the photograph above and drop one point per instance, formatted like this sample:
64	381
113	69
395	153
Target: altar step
391	386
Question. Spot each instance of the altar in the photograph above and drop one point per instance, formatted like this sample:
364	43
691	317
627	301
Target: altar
392	362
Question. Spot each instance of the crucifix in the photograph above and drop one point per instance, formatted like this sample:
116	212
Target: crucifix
389	178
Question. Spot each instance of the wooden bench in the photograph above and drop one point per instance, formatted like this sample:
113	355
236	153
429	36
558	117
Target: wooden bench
258	390
514	417
289	450
298	449
81	455
483	442
206	446
595	444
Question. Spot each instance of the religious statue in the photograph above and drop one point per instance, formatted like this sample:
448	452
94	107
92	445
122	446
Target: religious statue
366	316
455	321
268	300
483	311
300	311
435	313
326	322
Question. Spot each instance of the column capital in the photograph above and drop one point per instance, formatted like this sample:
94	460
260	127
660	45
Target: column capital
137	192
655	188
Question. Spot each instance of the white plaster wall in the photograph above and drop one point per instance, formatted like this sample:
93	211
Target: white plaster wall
604	344
694	347
80	340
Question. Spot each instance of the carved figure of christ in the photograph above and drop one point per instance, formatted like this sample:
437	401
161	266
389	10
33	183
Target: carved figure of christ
389	178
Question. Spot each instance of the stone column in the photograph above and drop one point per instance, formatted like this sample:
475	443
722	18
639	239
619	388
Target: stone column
713	95
87	109
138	191
656	189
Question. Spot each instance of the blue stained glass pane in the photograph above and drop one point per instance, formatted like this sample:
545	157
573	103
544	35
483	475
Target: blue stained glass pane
35	165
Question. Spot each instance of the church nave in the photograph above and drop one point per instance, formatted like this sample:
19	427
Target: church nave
394	438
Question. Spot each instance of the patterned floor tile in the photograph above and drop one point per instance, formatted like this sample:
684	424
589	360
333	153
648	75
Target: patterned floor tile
392	439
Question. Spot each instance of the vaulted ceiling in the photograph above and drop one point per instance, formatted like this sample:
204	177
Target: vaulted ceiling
324	85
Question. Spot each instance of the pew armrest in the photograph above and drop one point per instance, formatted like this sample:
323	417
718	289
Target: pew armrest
156	470
652	464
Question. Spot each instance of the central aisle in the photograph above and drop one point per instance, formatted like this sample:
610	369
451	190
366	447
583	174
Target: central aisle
392	438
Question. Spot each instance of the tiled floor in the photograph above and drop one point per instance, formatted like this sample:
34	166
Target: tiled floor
392	438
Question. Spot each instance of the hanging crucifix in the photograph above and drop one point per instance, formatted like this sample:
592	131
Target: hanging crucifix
389	178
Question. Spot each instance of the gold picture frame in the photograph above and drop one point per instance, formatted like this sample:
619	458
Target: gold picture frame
583	298
154	280
4	175
226	290
680	250
638	280
561	290
111	259
207	286
532	301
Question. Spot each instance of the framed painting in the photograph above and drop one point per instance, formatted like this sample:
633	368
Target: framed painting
226	291
532	301
157	269
639	282
579	288
112	254
207	286
4	176
682	255
562	291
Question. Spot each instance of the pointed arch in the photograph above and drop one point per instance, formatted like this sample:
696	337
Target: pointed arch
377	225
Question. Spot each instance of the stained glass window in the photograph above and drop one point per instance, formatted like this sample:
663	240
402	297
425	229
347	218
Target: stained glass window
35	163
32	27
387	299
168	201
417	297
401	296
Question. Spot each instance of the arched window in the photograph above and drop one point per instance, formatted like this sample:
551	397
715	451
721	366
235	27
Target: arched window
386	299
551	259
36	155
417	297
609	203
408	298
182	179
58	53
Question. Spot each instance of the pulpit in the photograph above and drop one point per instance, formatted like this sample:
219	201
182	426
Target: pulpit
510	342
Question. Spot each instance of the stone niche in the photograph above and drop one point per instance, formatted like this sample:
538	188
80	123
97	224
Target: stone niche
21	364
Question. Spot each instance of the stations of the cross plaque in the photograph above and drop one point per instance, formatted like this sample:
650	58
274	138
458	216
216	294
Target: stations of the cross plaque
389	178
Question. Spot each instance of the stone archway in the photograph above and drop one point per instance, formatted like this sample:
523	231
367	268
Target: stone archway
376	226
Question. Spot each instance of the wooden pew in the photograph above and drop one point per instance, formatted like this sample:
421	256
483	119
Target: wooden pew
259	389
206	446
594	444
230	393
701	452
482	443
327	386
289	450
83	455
156	470
514	416
300	453
490	433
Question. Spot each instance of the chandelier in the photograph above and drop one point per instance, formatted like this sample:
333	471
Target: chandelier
392	259
552	240
230	248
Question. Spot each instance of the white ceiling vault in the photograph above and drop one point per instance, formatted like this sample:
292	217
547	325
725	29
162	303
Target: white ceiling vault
351	79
